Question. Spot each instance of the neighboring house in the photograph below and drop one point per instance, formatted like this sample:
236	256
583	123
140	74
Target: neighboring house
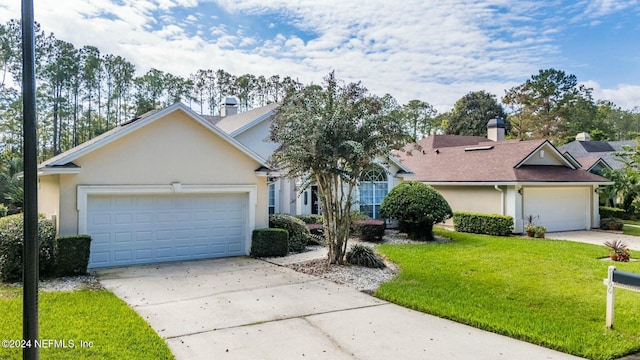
252	129
588	152
165	186
515	178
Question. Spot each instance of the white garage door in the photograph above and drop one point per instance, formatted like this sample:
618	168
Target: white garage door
558	208
143	229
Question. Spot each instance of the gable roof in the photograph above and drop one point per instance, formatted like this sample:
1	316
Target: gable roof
589	163
488	162
239	123
65	160
598	149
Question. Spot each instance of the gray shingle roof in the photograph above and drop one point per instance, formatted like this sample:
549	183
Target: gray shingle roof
598	149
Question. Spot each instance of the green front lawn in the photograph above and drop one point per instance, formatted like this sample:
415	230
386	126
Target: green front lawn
547	292
631	230
97	316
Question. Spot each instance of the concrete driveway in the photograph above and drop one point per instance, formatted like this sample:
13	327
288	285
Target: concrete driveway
596	237
241	308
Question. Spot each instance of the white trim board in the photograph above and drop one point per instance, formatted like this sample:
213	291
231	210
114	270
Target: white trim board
84	191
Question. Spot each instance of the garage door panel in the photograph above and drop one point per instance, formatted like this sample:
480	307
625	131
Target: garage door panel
122	256
143	228
123	237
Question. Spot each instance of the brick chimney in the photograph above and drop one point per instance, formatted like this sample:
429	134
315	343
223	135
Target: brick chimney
229	107
495	129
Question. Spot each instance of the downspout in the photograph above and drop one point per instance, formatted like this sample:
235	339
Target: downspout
501	198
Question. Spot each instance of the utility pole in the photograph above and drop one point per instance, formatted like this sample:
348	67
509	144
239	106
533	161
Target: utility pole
30	250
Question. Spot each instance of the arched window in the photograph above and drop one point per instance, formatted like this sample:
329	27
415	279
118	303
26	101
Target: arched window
373	188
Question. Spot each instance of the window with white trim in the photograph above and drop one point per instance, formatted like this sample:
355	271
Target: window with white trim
373	188
272	199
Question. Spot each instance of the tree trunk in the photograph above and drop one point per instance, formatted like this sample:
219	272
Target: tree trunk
336	206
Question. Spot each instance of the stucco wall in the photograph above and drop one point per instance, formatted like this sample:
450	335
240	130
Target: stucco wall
168	150
49	196
479	199
255	139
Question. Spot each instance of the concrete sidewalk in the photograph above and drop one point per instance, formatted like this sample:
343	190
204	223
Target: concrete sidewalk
242	308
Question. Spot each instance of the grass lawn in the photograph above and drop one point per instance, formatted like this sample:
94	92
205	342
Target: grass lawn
546	292
631	230
96	316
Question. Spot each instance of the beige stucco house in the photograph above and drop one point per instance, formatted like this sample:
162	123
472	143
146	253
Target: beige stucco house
509	177
166	186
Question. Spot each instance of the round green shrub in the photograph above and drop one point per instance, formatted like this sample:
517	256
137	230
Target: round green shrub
298	233
363	255
417	207
11	244
3	210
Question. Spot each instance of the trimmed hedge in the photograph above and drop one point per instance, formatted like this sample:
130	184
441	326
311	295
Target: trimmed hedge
72	254
369	230
310	218
612	212
298	233
499	225
11	243
269	242
611	223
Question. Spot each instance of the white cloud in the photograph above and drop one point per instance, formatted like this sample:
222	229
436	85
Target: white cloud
624	95
599	8
436	51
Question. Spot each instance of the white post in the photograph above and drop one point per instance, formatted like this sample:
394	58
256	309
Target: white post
610	297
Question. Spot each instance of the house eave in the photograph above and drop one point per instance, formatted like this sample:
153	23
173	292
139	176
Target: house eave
266	172
43	171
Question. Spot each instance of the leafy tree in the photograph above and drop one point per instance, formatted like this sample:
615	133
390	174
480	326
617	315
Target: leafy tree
550	105
627	180
245	85
149	90
472	112
328	135
417	207
418	119
615	123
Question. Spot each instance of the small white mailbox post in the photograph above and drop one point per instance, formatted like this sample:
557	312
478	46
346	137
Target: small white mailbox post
619	279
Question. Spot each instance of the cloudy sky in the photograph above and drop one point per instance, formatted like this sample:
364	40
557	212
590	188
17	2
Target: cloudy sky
433	50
